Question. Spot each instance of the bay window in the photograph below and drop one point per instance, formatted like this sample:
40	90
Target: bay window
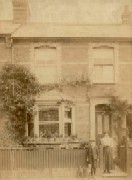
53	121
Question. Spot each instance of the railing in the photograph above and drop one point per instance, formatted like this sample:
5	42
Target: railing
37	159
129	159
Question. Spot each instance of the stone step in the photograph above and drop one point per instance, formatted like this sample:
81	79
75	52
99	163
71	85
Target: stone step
115	173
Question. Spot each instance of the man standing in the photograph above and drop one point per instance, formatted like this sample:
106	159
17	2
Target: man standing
107	143
93	156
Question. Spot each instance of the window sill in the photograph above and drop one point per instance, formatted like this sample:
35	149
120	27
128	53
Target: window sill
104	83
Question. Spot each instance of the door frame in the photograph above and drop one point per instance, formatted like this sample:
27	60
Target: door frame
95	100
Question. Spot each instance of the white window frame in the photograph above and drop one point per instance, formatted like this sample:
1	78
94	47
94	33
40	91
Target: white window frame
58	57
48	122
61	121
92	46
71	121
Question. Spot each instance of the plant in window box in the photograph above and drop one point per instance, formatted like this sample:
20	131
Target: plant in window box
36	138
60	137
48	135
55	136
73	137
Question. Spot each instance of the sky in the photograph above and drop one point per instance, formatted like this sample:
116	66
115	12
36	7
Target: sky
70	11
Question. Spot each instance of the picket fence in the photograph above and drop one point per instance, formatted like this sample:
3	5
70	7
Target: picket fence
38	159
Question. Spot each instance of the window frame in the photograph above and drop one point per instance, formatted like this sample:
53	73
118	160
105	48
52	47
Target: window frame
93	46
48	122
58	58
62	120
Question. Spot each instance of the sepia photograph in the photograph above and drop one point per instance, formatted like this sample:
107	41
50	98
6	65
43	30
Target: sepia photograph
65	89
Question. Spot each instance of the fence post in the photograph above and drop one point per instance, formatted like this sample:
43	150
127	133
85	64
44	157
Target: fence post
128	160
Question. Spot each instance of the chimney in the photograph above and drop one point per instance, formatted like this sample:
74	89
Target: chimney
126	15
20	11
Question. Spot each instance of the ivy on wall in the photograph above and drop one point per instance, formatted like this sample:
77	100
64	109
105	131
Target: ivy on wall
80	81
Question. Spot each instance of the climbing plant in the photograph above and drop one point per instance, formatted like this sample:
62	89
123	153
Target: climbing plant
80	81
118	109
18	88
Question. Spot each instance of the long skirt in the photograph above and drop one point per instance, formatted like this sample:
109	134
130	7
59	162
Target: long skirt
107	158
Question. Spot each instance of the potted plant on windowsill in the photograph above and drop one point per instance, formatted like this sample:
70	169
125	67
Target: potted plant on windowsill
73	137
55	136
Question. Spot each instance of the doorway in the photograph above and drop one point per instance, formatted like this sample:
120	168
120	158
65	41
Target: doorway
103	121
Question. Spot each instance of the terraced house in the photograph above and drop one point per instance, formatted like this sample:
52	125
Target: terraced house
97	54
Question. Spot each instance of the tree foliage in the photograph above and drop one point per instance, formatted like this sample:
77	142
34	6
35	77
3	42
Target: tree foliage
18	88
118	109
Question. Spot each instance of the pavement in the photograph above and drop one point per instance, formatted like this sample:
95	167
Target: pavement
65	178
47	174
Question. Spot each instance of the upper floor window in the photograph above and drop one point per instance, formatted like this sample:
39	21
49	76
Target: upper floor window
46	64
103	65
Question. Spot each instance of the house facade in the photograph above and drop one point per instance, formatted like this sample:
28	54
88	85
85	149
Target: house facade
100	55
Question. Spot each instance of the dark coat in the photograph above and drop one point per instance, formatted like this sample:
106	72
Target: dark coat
92	153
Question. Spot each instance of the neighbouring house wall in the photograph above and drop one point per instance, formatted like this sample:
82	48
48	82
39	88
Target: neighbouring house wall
124	86
22	55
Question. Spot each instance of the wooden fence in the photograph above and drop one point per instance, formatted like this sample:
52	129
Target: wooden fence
38	159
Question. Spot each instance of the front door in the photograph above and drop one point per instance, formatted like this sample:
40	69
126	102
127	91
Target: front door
103	124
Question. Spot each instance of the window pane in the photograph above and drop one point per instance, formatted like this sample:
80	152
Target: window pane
49	115
30	129
106	123
108	74
45	56
47	74
103	53
47	130
99	124
98	74
103	56
102	61
103	74
67	129
68	113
